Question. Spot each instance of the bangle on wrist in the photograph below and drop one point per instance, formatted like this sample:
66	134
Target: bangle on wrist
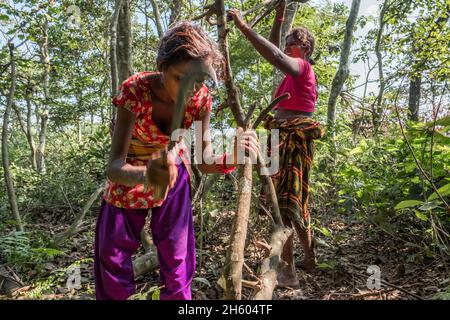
222	166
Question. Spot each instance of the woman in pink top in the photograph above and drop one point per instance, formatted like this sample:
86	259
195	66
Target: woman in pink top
294	62
296	128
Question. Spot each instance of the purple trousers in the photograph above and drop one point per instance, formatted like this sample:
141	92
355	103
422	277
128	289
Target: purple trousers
118	237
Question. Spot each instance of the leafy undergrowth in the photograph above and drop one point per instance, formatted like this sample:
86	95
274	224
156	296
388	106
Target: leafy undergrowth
346	247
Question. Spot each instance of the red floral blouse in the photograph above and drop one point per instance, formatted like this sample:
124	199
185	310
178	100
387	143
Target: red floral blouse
134	95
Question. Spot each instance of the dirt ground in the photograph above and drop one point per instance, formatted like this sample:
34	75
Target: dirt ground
344	255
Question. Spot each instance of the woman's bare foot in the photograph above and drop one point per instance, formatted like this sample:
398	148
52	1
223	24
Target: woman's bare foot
287	278
308	264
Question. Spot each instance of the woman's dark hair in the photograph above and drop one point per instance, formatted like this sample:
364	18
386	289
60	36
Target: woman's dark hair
185	41
305	39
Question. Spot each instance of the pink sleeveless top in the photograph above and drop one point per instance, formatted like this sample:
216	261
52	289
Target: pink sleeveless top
302	88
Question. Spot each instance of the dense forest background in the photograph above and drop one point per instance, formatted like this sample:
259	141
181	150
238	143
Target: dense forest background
381	178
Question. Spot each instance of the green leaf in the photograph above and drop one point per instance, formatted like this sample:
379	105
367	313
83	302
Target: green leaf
325	232
443	191
410	167
155	294
415	180
438	136
407	204
422	216
429	205
441	122
4	17
356	150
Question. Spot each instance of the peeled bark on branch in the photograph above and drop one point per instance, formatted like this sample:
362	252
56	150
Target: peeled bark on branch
264	176
235	255
232	274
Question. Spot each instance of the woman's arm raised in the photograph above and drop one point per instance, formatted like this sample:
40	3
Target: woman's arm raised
268	50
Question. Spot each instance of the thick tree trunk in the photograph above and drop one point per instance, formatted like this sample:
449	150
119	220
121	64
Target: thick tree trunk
232	91
343	70
5	156
124	43
414	97
235	255
113	53
232	275
291	11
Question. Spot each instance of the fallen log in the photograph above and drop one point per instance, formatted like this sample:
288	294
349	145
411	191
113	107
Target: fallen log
271	264
146	263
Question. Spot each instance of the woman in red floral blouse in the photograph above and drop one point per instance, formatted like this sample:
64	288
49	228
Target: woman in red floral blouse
146	104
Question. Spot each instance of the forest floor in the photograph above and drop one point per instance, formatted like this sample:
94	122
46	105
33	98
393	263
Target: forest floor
344	254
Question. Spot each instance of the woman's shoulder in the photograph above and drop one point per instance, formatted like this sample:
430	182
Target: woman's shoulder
305	68
201	102
139	84
140	79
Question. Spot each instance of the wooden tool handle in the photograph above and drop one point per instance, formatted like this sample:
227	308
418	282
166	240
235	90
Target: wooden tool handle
160	192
